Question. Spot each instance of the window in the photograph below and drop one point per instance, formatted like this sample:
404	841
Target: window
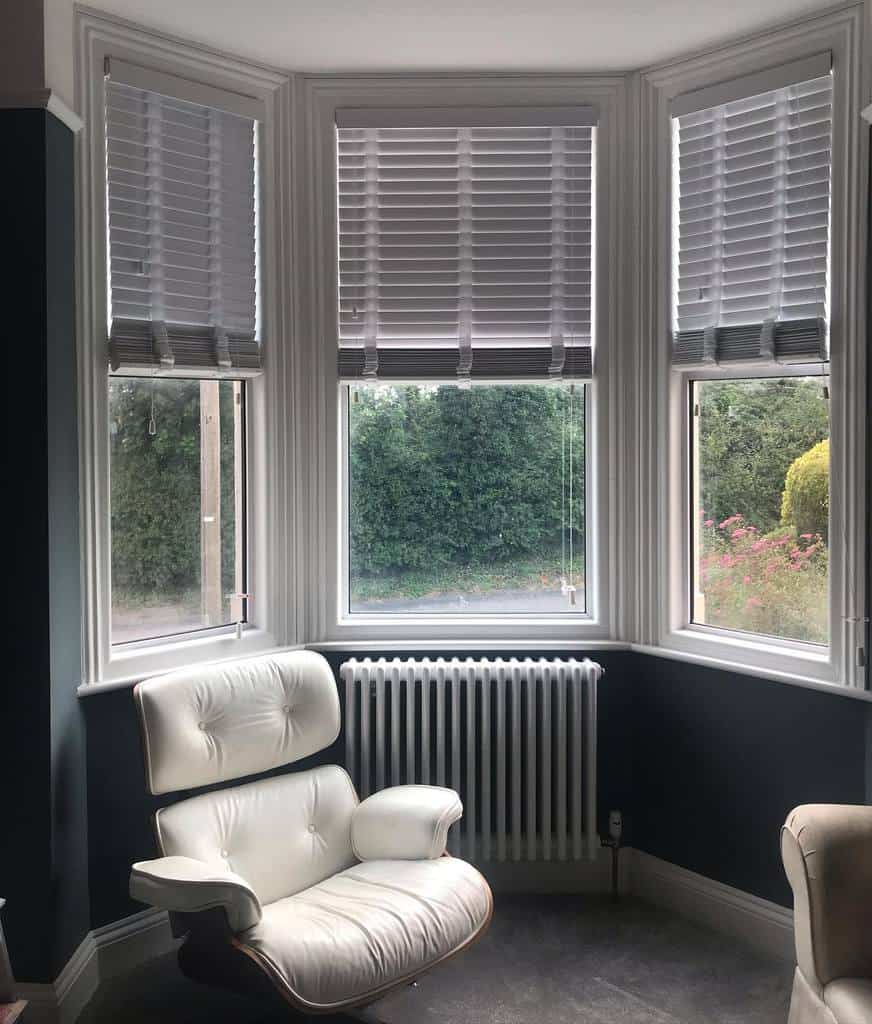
466	501
751	242
465	314
177	476
761	501
182	292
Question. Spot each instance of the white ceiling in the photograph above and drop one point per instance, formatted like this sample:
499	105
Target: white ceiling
543	35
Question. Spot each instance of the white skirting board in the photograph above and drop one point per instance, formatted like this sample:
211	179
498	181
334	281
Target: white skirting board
766	926
125	944
103	953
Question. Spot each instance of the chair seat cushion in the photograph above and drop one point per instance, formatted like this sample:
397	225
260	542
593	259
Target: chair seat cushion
368	928
850	1000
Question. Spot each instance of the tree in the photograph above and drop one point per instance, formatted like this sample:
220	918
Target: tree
750	433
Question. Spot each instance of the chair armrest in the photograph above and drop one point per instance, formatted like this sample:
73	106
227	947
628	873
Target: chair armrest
404	823
827	855
186	885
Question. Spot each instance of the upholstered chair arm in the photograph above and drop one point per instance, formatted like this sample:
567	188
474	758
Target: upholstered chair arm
827	854
404	823
186	885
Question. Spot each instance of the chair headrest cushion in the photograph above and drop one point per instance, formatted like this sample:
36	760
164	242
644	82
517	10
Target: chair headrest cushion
221	722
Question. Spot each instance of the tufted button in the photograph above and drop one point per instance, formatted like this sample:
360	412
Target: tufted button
311	828
225	854
201	726
286	708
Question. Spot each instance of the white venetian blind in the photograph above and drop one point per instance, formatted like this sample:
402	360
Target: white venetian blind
752	219
181	181
465	242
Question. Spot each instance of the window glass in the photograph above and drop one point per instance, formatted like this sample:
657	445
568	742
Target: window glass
177	488
466	500
761	506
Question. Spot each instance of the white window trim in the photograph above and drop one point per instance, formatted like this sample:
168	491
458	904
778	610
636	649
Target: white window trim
321	96
270	466
661	420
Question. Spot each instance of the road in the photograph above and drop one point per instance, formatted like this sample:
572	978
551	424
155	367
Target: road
500	602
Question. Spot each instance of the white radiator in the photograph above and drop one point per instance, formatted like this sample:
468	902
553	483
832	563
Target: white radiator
516	739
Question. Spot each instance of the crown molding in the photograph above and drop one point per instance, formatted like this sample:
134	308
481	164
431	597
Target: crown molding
42	99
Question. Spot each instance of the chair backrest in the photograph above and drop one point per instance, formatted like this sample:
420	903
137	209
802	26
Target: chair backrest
223	722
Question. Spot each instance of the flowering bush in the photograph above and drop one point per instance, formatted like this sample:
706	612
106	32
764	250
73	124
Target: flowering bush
774	584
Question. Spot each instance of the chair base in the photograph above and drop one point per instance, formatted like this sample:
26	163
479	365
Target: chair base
209	957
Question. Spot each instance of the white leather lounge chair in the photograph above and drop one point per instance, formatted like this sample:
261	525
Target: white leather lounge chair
288	883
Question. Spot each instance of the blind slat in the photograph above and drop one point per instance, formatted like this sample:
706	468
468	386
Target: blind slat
752	226
182	232
465	234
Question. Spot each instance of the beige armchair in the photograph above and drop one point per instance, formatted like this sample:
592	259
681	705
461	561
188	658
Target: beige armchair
827	854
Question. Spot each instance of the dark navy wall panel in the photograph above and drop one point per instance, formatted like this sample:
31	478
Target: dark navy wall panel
721	758
43	842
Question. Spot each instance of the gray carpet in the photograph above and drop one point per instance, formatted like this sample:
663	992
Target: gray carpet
545	960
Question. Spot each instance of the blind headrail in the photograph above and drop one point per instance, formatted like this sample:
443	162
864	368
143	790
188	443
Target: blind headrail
802	70
188	89
466	117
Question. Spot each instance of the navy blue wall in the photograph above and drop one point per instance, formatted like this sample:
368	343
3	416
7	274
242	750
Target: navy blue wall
43	842
721	758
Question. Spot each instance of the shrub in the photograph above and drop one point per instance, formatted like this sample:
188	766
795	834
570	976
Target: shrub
773	584
805	503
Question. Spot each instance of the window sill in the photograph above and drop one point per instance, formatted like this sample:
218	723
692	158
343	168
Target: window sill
141	661
813	672
470	644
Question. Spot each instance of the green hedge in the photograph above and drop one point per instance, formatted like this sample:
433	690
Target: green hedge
450	476
155	486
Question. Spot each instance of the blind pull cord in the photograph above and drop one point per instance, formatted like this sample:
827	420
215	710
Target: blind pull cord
558	237
371	322
465	256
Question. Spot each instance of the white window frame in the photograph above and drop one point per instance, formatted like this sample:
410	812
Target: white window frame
270	469
322	95
662	422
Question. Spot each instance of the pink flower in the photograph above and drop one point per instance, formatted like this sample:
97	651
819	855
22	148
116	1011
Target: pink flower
806	536
730	520
737	533
709	522
760	545
753	602
746	579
